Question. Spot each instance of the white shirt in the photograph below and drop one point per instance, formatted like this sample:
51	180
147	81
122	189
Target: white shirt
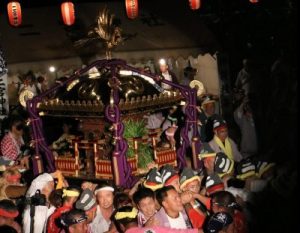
154	120
177	223
99	224
42	213
168	77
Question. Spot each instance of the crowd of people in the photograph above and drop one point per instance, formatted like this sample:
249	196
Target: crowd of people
217	197
214	199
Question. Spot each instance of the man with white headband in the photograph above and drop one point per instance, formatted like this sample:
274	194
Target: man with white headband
105	195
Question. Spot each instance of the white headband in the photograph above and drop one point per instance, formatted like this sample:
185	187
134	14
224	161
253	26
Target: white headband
106	188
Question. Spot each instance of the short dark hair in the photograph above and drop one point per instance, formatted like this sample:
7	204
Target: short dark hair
40	79
162	194
8	205
68	218
142	193
14	120
124	221
121	199
225	199
7	229
55	198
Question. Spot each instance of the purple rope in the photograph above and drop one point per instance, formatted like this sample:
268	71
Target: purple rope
112	112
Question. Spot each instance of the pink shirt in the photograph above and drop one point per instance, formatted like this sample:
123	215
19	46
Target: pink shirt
159	230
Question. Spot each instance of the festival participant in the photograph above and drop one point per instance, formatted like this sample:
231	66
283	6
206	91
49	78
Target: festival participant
8	213
221	141
207	114
12	143
10	185
126	219
44	184
87	203
69	196
197	208
171	213
144	199
74	221
104	195
224	201
166	74
207	155
220	222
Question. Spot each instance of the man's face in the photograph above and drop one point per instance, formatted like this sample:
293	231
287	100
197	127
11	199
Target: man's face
193	186
163	68
209	164
222	133
79	227
147	206
105	199
209	108
173	201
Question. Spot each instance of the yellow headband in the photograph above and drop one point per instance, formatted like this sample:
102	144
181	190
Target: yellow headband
70	193
122	215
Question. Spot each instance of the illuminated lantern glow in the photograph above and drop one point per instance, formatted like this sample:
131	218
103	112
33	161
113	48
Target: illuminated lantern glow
14	12
132	8
195	4
68	13
253	1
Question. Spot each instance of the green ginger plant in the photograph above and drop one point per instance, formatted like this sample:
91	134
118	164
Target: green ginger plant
137	129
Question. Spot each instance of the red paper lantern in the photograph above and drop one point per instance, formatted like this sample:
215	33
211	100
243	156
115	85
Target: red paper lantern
68	13
195	4
132	8
253	1
14	12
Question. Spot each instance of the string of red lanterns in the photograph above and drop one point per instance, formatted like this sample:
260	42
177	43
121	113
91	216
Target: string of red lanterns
195	4
14	12
68	13
132	8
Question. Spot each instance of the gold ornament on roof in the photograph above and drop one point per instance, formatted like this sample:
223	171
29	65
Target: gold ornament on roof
106	30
